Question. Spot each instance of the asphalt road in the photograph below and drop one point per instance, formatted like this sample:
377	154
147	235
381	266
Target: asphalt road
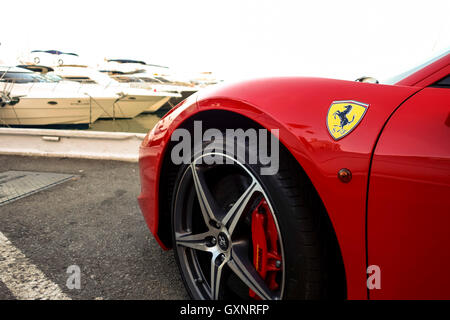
92	221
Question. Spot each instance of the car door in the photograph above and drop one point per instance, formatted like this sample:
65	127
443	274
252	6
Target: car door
408	217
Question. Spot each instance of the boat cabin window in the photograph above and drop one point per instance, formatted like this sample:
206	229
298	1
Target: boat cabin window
162	79
127	79
21	77
80	79
149	80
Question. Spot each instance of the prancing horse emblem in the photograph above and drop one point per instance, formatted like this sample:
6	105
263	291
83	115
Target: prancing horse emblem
344	116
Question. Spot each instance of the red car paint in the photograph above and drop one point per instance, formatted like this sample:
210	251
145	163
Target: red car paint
298	108
409	200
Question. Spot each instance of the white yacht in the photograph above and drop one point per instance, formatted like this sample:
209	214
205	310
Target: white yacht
114	104
161	85
138	74
132	102
29	99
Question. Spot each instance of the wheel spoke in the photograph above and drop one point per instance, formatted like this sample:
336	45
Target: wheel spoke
244	269
235	213
193	241
217	263
206	200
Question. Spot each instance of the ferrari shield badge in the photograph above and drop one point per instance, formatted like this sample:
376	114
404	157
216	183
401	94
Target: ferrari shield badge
344	116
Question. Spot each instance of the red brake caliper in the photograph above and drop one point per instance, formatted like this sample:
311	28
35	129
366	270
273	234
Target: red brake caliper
266	257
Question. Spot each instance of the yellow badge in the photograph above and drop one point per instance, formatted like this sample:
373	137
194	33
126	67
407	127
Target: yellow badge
344	116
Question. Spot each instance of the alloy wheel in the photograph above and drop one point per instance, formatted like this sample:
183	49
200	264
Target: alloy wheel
225	232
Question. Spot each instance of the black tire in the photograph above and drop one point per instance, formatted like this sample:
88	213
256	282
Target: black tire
299	215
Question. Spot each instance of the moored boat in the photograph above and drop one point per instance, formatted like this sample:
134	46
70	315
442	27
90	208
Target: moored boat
39	102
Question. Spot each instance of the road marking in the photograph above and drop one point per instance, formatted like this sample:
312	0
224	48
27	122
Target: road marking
24	279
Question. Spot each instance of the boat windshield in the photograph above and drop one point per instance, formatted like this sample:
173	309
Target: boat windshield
22	77
52	77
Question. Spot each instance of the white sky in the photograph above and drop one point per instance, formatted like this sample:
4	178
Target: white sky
236	39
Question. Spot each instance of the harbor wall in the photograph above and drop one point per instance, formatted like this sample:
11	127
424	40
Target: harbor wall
122	146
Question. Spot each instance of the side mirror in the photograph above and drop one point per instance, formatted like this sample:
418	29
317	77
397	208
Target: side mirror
367	80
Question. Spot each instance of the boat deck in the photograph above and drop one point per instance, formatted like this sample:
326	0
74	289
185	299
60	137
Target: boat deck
90	219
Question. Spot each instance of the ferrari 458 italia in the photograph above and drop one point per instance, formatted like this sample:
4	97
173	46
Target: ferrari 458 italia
357	208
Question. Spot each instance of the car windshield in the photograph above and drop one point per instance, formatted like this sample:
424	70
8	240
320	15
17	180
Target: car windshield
398	78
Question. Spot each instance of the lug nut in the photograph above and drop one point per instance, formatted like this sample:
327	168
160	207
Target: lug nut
278	264
220	259
214	224
211	241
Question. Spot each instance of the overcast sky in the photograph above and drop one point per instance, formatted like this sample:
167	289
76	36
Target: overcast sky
236	39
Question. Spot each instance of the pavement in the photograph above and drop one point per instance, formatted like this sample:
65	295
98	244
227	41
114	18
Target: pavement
91	221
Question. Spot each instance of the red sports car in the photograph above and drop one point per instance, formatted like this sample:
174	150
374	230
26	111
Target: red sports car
355	202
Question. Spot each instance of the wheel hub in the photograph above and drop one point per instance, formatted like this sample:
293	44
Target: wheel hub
223	241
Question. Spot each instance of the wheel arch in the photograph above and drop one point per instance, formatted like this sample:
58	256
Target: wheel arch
226	119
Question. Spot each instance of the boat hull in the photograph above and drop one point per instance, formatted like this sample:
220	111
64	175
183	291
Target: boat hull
45	111
130	107
157	105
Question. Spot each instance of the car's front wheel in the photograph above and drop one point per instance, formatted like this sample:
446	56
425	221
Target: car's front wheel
239	234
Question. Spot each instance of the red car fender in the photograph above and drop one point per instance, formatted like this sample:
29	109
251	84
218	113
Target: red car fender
151	154
298	107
